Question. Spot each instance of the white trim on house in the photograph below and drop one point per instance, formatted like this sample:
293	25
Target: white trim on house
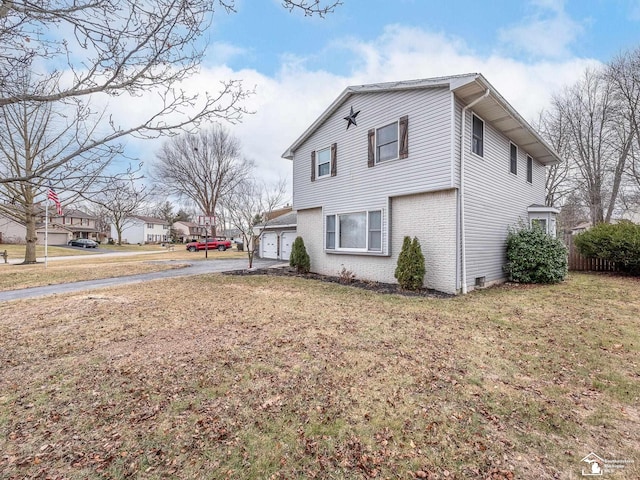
479	199
497	111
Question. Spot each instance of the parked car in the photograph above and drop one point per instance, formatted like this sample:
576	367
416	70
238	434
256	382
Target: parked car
83	242
211	244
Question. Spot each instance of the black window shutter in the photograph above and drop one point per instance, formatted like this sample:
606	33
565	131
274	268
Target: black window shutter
313	166
371	138
334	159
404	136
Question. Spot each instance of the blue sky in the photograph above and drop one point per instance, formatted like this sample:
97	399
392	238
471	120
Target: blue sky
298	65
264	33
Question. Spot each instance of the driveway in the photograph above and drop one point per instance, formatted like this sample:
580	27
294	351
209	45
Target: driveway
200	267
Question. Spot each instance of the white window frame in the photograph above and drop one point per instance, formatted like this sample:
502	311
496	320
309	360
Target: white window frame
473	143
367	233
535	221
529	169
397	124
511	160
328	162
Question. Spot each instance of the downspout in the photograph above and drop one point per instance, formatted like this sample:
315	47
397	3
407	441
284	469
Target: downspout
462	155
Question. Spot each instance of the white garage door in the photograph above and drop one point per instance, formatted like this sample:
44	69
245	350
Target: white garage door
269	244
286	242
54	238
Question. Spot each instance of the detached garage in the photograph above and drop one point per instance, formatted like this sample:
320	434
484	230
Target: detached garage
277	239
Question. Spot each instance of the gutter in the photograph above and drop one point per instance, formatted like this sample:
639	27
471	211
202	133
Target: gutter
462	155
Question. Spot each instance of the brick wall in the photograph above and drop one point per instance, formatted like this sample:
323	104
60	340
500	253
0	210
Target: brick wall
430	216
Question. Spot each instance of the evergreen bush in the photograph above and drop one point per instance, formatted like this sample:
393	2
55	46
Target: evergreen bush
299	257
410	269
618	243
533	256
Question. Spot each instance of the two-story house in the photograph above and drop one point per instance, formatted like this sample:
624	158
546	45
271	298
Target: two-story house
141	229
188	231
77	223
447	160
71	224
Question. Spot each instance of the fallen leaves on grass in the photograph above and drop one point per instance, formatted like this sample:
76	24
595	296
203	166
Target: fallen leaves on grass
292	378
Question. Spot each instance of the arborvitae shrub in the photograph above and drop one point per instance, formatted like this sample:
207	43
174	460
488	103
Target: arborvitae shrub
299	257
533	256
618	243
410	269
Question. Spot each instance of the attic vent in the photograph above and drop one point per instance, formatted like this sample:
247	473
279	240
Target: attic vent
480	282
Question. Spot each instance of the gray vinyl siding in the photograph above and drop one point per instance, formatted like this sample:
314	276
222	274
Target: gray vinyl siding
357	187
494	200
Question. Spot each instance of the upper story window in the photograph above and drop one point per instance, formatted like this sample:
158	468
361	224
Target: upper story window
514	159
477	143
389	142
359	231
149	225
324	162
529	169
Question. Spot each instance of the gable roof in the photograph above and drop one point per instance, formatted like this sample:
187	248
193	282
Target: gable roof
467	87
287	220
158	221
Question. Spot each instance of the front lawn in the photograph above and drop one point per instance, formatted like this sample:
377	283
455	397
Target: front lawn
274	377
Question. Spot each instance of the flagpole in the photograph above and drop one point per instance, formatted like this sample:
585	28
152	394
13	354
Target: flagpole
46	231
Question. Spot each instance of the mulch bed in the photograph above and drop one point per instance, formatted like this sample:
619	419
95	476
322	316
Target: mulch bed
379	287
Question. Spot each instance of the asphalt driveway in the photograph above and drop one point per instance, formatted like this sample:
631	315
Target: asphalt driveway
195	268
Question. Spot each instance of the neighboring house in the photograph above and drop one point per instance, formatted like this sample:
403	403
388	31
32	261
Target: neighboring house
447	160
279	234
78	223
11	231
187	231
72	224
140	229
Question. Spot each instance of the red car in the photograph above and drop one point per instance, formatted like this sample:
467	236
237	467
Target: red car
211	244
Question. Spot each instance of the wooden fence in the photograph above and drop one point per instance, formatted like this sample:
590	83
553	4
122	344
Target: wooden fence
580	263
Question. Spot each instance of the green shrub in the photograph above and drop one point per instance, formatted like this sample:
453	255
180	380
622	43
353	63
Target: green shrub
618	243
533	256
410	269
299	257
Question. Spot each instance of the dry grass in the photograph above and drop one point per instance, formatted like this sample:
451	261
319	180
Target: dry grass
17	251
15	276
291	378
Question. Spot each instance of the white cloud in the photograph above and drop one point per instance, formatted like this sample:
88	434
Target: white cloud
549	32
288	102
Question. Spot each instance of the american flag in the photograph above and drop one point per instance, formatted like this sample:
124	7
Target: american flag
52	195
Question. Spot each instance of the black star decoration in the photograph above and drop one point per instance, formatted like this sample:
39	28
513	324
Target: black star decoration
351	119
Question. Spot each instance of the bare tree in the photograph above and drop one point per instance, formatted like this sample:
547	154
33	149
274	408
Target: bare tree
90	50
249	207
45	145
599	140
623	72
114	46
202	168
559	181
121	201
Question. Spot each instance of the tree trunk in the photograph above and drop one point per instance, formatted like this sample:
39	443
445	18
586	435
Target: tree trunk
32	236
